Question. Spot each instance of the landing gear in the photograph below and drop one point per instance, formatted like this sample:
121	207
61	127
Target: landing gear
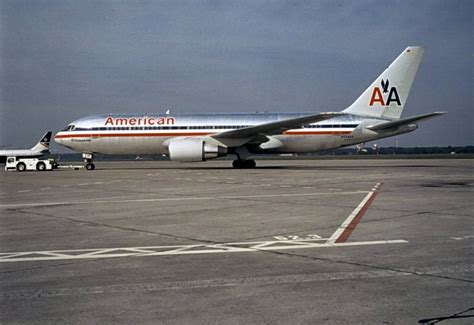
241	164
90	166
88	160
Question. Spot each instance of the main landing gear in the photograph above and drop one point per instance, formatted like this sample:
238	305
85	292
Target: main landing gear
88	160
241	164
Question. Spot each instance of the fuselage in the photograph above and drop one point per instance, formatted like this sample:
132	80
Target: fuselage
150	133
21	153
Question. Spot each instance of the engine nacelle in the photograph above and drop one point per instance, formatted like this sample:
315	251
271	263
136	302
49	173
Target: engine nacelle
194	150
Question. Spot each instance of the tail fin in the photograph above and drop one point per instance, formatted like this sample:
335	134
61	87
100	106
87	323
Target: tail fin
387	95
43	143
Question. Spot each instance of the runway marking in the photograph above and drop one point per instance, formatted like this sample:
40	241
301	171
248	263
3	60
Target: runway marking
238	247
45	188
296	237
462	238
347	227
24	191
184	198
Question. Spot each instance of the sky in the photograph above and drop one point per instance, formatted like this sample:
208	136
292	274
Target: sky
62	60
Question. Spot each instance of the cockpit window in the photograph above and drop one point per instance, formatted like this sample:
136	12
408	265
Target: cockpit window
70	127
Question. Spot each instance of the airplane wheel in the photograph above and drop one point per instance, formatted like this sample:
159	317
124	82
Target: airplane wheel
250	164
90	166
21	167
237	164
244	164
40	166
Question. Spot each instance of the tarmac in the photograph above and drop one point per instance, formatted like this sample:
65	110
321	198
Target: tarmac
307	241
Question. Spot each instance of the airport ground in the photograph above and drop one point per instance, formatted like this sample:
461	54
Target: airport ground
307	241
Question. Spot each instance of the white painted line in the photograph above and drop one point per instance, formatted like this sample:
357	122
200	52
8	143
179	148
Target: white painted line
462	238
184	198
351	216
178	250
45	188
24	191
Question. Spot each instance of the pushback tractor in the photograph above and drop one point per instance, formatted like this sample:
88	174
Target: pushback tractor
24	164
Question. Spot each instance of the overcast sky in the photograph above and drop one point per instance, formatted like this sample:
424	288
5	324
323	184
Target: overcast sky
62	60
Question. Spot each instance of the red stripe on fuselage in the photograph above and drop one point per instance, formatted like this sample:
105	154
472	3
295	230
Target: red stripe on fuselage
109	135
169	134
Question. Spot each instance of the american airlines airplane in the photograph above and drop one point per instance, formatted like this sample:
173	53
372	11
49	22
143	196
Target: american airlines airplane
374	115
40	149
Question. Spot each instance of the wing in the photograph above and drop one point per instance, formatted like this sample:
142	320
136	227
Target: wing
258	133
404	121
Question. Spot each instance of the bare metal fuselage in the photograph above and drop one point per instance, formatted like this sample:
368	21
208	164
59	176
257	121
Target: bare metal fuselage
133	135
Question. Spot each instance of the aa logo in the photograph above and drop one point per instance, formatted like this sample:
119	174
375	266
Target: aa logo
384	95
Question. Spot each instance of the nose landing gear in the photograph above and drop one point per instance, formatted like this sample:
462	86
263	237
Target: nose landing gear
88	160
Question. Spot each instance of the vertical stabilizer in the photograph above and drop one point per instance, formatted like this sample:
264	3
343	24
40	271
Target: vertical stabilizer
43	143
387	95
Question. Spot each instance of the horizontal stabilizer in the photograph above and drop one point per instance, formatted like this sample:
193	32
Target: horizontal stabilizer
405	121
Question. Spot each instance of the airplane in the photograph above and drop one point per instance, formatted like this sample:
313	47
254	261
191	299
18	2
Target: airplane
375	114
40	149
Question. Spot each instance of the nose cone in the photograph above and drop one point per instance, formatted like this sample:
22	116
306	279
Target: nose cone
58	138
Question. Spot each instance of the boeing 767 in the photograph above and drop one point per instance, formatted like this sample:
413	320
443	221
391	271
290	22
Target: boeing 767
374	115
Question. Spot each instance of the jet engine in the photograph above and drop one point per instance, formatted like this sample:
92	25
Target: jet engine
194	150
